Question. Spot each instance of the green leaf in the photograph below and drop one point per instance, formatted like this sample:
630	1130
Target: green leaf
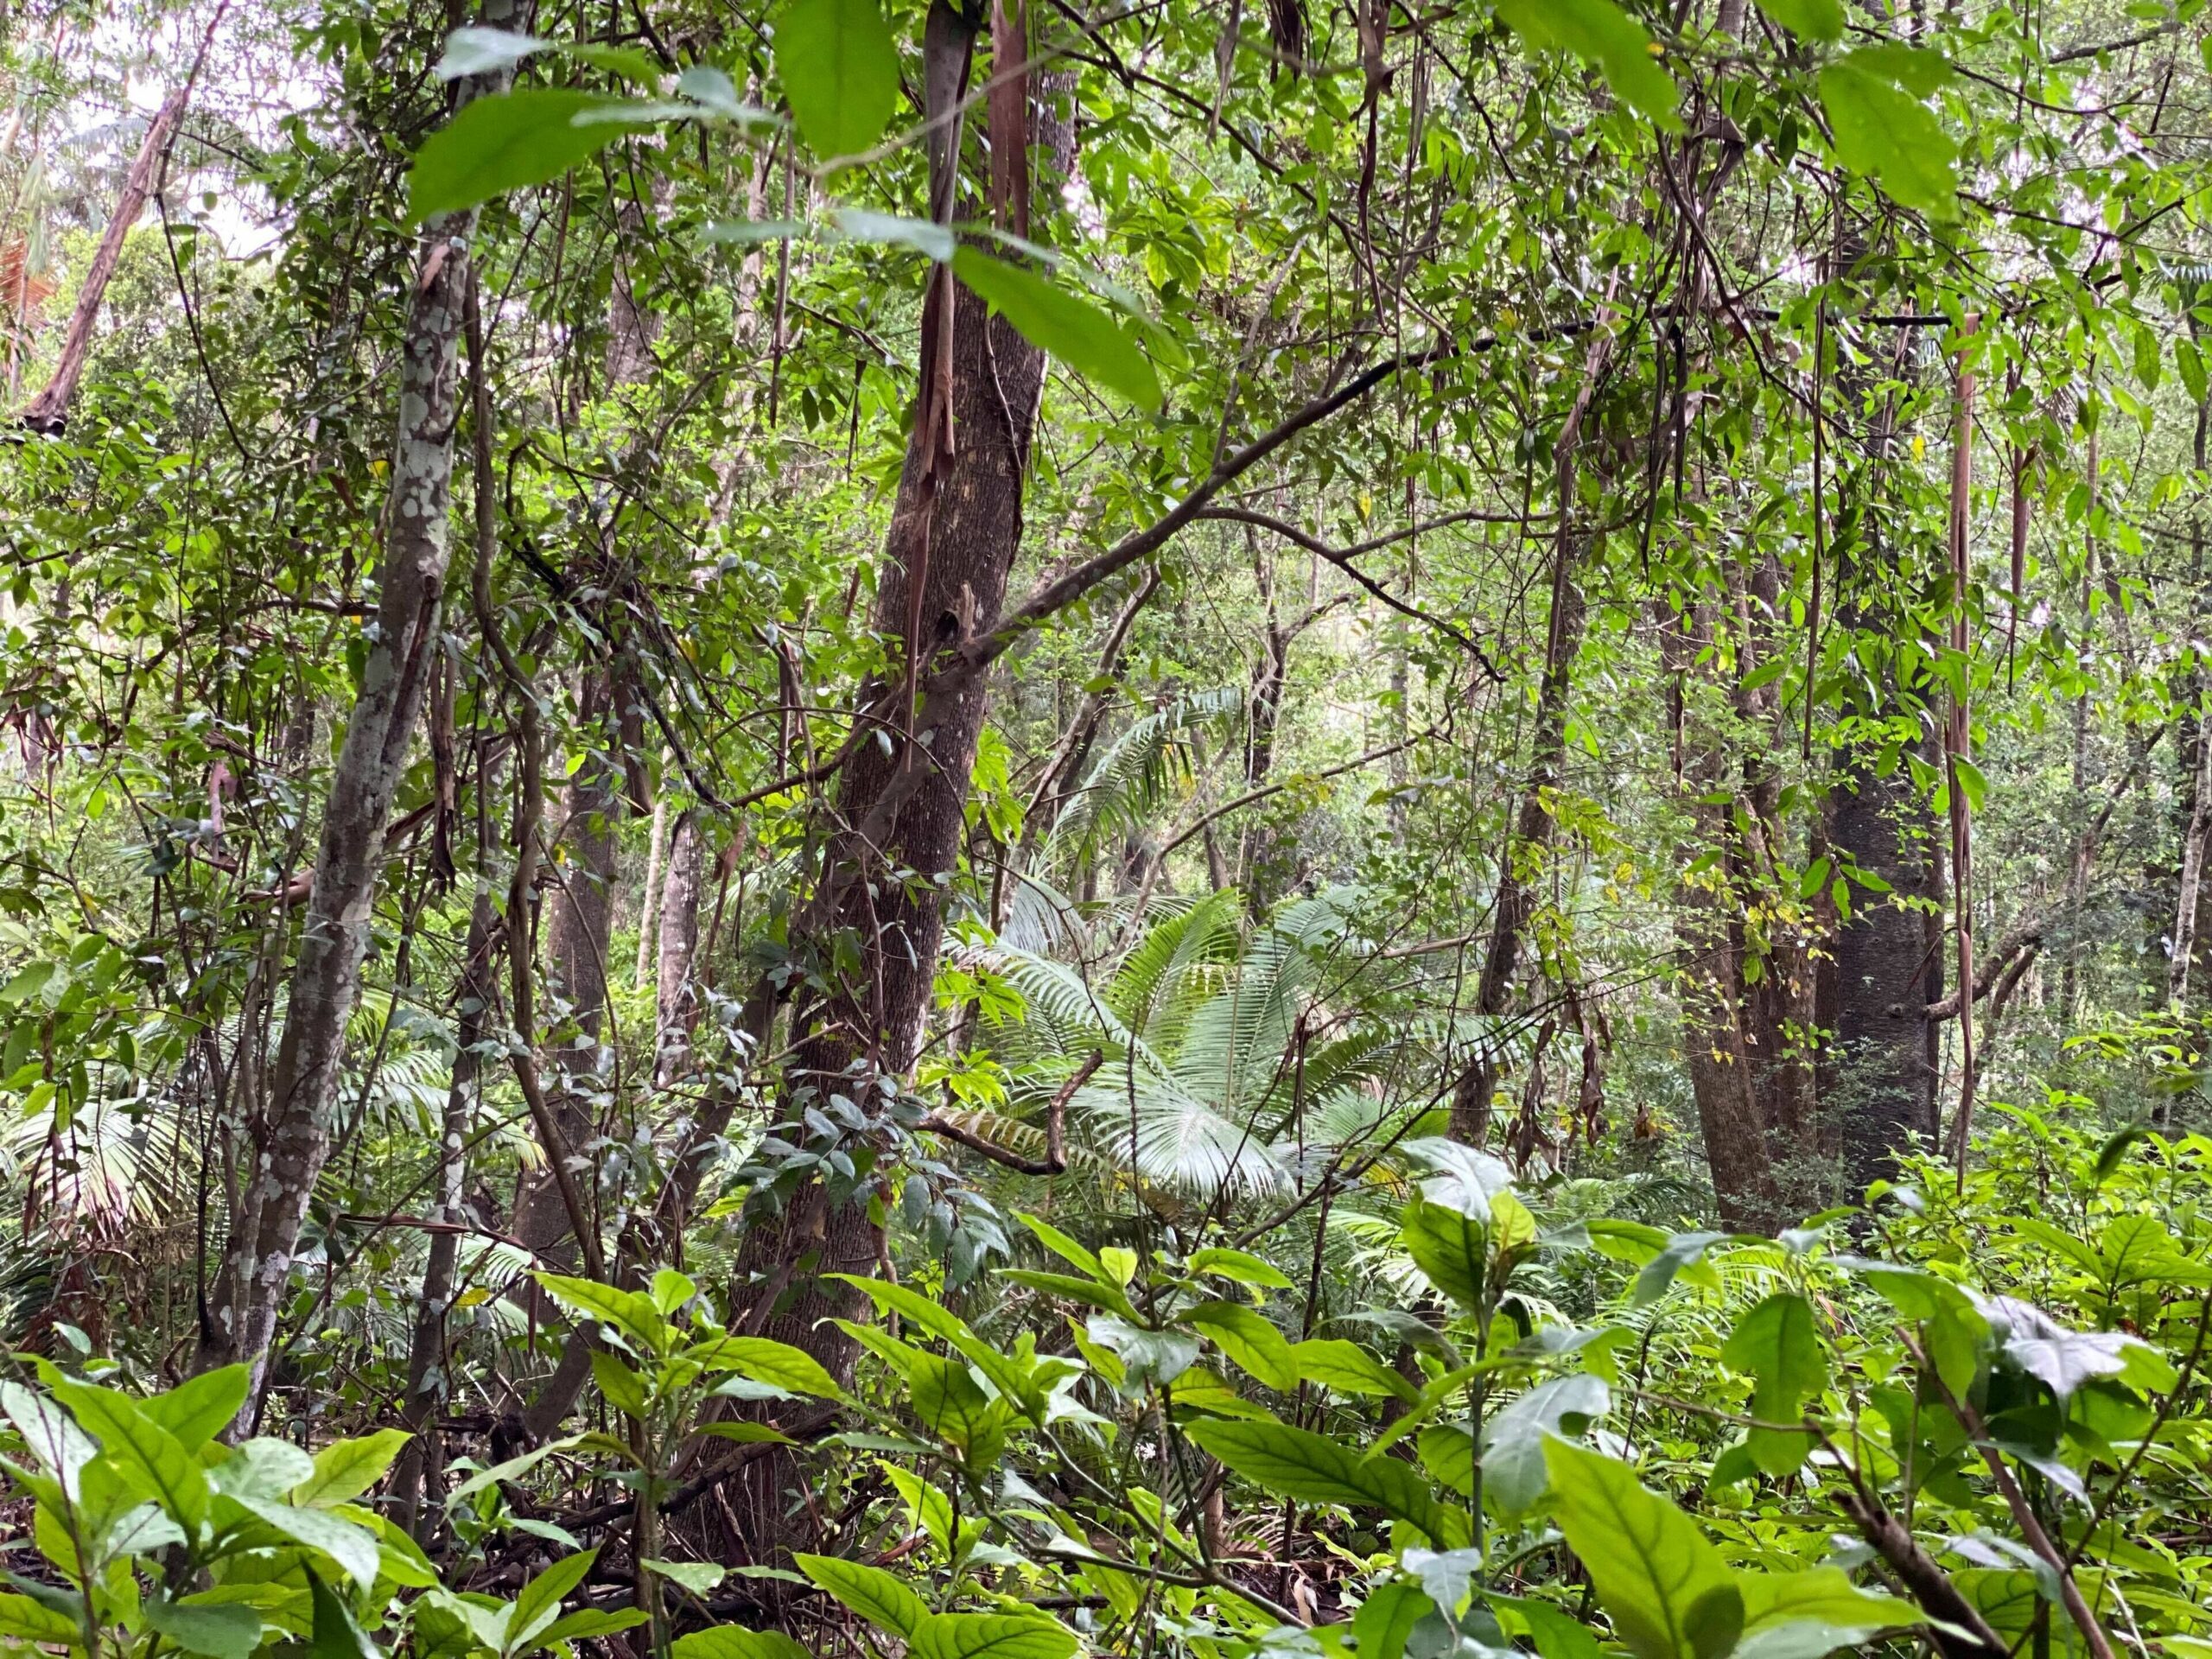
170	1475
345	1469
336	1633
1601	31
1776	1345
1250	1341
1450	1247
1514	1475
220	1631
1665	1587
1955	1332
505	142
671	1289
629	1312
351	1547
878	1597
764	1360
539	1604
624	1389
728	1642
1815	20
698	1577
1659	1272
1073	330
1387	1619
1091	1293
586	1623
921	236
1064	1247
1315	1468
990	1635
1239	1265
839	70
1884	131
1823	1593
200	1408
1349	1369
28	1620
1007	1374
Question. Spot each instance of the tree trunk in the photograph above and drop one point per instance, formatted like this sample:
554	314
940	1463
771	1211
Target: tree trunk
290	1137
49	412
427	1391
956	527
677	990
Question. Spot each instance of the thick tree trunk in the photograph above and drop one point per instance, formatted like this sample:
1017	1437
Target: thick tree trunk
956	527
1723	1066
290	1137
49	412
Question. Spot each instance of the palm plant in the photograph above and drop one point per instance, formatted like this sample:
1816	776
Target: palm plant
1225	1072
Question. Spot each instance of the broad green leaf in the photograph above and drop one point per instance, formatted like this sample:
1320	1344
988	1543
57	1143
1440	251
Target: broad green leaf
1815	20
201	1408
1956	1333
878	1597
1250	1341
1315	1468
28	1620
265	1466
171	1475
728	1642
1664	1586
1556	1632
1514	1475
1465	1179
921	236
1601	31
1090	1293
587	1623
1148	1358
632	1313
1349	1369
505	142
220	1631
345	1469
1387	1619
1448	1452
1072	330
764	1360
336	1633
990	1635
539	1603
352	1547
623	1387
700	1577
1007	1374
1680	1251
840	71
1239	1265
949	1403
1064	1247
1451	1248
1883	130
1823	1593
1776	1345
50	1433
671	1289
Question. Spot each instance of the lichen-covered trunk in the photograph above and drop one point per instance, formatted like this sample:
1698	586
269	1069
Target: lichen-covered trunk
289	1139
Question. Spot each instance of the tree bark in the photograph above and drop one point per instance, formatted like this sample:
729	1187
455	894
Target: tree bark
956	527
49	412
290	1137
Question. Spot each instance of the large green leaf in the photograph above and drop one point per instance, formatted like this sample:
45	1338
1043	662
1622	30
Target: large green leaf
764	1360
1072	330
345	1469
878	1597
539	1602
1883	129
1776	1345
1810	1614
1601	31
352	1547
840	71
1816	20
1450	1247
1514	1475
201	1408
1667	1592
1315	1468
1007	1374
1251	1342
990	1635
169	1474
1347	1368
507	142
728	1642
336	1634
1387	1619
220	1631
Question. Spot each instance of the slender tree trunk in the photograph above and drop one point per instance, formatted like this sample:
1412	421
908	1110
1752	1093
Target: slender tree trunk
290	1137
1532	825
427	1389
649	901
677	992
956	528
49	412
